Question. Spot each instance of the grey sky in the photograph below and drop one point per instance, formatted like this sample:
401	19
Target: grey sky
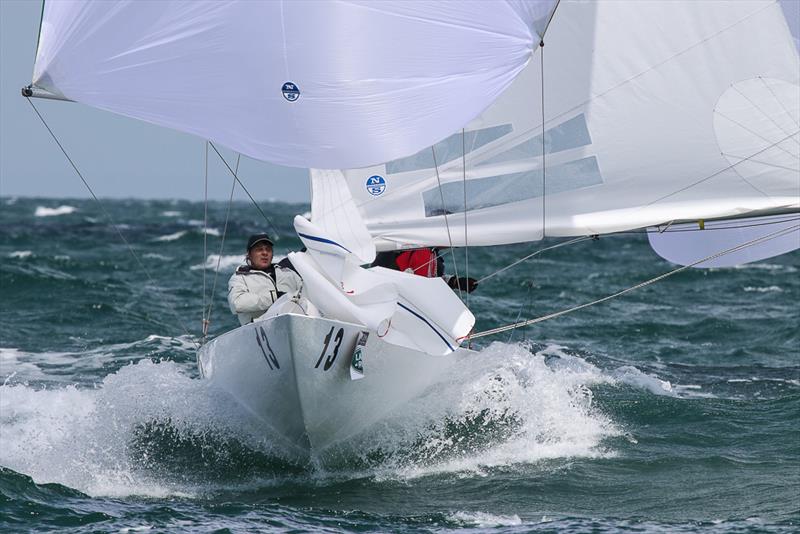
118	156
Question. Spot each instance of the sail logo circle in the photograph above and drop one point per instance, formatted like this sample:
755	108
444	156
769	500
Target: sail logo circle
376	185
290	91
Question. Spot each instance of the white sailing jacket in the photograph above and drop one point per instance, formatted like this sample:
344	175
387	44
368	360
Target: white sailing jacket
251	292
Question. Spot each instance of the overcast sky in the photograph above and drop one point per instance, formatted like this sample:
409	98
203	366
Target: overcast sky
118	156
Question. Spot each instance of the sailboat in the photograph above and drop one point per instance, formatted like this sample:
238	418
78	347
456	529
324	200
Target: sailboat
428	124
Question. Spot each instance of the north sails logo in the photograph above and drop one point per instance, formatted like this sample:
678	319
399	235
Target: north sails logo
290	91
376	185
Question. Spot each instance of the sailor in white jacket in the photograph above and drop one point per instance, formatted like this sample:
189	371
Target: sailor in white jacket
255	286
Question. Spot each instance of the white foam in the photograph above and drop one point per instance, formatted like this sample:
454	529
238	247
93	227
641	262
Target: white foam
156	256
171	237
20	254
766	267
81	437
514	407
171	213
632	376
226	263
768	289
212	231
485	520
14	367
43	211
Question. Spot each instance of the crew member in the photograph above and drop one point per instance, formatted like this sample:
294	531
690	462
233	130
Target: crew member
423	262
256	285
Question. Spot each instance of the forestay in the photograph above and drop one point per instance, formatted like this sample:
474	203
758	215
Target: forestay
654	112
327	84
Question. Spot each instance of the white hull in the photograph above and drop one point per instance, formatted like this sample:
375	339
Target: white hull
293	373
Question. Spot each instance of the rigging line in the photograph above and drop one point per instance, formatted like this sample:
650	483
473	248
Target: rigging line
110	220
521	308
778	100
717	173
763	113
708	229
536	253
222	245
766	163
447	224
464	182
752	242
750	130
274	228
544	140
205	243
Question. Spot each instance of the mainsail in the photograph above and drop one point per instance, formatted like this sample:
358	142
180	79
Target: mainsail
632	114
328	84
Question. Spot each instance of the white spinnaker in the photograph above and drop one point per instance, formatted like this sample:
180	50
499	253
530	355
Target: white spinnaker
327	84
655	111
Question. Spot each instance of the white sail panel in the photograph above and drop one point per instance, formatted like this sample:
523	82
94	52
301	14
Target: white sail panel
654	112
689	243
337	215
326	84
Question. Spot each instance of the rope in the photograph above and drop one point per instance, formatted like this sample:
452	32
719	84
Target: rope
269	221
447	225
529	256
205	244
110	220
544	148
207	320
752	242
529	298
464	182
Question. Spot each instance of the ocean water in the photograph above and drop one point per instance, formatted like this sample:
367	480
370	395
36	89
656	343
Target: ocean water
675	408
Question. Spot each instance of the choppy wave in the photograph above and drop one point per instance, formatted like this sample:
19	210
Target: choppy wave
43	211
484	519
20	254
227	263
171	237
504	406
90	439
768	289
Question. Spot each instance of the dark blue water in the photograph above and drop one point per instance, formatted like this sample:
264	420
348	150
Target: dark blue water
675	408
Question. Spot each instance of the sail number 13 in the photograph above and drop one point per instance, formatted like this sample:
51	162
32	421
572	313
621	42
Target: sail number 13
337	342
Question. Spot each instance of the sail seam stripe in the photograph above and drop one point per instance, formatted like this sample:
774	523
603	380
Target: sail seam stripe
322	240
423	319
